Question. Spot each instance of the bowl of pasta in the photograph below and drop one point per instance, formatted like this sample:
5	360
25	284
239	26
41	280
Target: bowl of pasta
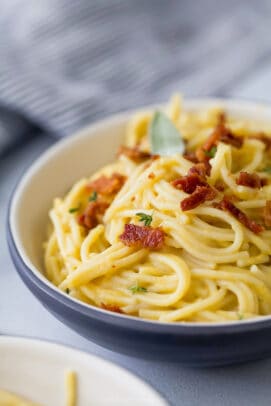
40	373
149	232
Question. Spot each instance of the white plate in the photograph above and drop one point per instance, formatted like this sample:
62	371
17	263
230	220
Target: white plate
35	369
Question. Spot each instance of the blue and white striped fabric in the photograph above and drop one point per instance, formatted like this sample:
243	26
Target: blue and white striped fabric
65	63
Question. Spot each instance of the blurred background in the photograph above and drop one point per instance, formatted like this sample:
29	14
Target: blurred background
64	64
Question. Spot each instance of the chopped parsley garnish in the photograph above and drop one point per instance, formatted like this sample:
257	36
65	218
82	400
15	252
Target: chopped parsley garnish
93	196
137	289
146	218
240	316
211	153
67	290
74	209
267	169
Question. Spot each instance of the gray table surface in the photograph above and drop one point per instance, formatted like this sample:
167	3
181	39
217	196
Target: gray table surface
22	314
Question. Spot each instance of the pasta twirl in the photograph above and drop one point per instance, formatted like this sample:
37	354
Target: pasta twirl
179	238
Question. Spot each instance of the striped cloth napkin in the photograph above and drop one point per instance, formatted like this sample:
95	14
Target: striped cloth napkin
66	63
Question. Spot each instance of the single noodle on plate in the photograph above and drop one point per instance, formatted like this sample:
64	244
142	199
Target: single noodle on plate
178	228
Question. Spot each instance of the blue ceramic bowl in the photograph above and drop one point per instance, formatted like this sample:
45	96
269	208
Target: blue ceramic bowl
200	344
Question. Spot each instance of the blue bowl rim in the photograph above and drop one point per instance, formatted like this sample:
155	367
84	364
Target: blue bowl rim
122	320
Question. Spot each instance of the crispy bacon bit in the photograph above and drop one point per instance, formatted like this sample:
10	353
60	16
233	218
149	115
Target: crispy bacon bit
213	139
264	138
188	183
207	166
201	155
225	134
220	186
228	206
267	213
229	138
201	169
220	133
202	163
199	196
92	214
196	176
251	180
111	308
135	154
142	236
107	185
191	156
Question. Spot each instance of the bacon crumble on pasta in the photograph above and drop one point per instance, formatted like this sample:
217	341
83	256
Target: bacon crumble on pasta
178	238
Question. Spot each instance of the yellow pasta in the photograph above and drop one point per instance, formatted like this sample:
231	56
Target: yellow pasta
211	267
71	388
